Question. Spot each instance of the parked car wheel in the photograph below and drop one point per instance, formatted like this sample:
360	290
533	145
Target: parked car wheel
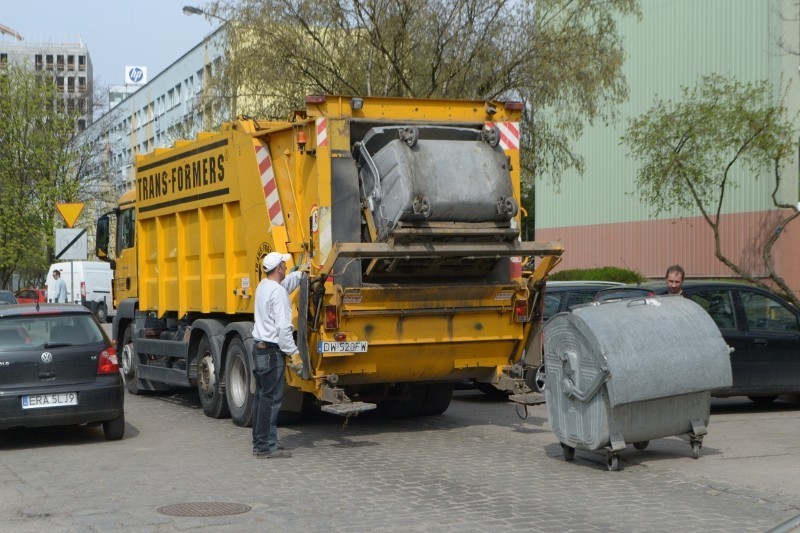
101	313
114	429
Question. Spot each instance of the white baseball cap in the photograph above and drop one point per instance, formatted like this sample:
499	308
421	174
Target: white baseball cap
273	259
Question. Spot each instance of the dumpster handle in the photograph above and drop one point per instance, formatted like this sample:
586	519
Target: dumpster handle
643	301
568	386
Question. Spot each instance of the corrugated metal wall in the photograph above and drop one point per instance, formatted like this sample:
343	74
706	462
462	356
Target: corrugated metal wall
675	43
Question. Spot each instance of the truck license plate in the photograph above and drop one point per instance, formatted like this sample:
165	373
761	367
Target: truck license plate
38	401
342	346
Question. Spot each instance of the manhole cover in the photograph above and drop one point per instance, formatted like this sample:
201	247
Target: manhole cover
204	509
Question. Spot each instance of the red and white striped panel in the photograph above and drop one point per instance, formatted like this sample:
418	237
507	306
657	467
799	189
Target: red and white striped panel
269	185
322	131
509	134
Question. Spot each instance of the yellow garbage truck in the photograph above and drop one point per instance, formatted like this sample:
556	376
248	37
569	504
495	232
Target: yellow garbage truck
403	215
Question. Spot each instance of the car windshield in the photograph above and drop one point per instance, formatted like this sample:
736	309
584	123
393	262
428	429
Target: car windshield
42	331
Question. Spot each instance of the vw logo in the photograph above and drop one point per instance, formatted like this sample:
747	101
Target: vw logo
135	74
47	357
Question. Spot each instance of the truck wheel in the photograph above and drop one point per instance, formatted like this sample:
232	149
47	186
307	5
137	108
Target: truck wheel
437	399
129	363
237	384
408	404
114	429
101	313
208	382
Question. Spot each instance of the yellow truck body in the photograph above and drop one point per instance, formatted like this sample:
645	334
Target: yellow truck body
404	213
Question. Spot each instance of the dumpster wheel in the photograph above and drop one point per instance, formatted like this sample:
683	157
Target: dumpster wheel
696	444
612	461
569	452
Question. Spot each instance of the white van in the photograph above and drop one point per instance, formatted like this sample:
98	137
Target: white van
88	283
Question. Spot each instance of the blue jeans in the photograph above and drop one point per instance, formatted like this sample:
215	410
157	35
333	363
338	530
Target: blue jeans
269	369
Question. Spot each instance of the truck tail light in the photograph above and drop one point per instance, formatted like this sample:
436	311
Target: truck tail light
83	290
521	311
107	362
315	99
515	106
331	317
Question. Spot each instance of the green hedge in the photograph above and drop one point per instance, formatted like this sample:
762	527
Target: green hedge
621	275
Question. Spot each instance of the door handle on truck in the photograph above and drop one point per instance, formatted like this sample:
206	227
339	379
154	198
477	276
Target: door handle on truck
760	342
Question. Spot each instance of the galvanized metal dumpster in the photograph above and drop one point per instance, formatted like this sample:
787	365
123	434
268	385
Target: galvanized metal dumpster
632	371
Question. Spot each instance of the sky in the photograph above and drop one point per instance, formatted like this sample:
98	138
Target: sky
118	33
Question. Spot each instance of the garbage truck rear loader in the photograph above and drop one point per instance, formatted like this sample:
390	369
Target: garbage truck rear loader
405	214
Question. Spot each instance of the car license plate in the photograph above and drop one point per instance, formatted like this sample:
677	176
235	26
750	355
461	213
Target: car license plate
38	401
342	346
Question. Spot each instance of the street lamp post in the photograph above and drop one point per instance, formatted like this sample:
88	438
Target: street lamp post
234	79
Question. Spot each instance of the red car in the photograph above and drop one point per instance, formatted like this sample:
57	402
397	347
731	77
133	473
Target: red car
31	296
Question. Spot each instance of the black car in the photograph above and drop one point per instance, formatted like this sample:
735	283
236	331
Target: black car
564	295
761	327
58	367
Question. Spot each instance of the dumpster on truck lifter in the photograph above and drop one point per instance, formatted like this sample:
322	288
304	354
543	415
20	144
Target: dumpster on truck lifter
632	371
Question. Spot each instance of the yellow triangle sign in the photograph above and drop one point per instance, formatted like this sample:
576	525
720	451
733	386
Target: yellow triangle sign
70	212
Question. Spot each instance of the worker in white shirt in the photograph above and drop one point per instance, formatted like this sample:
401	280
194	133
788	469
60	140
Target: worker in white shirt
272	333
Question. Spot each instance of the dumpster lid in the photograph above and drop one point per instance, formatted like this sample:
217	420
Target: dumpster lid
652	348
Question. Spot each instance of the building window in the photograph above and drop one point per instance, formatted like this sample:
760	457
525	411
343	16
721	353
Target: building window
49	62
60	62
3	61
71	84
81	62
60	83
82	84
81	124
70	62
39	62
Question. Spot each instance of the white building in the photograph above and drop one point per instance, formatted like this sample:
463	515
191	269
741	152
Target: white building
164	109
65	57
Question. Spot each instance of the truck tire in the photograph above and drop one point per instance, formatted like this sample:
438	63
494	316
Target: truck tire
101	313
437	399
129	363
406	405
237	384
209	388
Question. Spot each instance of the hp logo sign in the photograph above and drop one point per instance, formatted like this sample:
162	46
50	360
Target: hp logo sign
135	74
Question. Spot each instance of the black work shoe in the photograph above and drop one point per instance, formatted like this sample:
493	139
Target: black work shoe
280	447
277	454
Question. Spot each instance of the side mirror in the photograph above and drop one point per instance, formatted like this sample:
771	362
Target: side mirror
102	237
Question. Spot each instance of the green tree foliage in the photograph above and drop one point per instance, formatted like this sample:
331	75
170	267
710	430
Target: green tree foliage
36	164
690	150
562	58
